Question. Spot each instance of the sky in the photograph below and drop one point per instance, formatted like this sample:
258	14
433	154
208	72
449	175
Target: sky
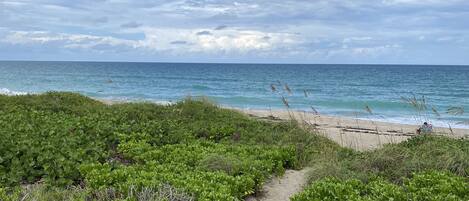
243	31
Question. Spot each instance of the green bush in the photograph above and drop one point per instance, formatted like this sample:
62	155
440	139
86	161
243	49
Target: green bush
10	194
431	185
332	189
210	170
437	186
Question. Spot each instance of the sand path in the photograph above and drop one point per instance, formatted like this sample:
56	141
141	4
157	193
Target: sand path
282	188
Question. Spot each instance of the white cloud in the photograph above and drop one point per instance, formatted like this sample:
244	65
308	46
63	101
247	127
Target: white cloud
226	40
445	39
353	39
302	30
157	39
368	51
66	40
422	2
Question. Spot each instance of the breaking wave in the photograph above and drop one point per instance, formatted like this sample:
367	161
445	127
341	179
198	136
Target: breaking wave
5	91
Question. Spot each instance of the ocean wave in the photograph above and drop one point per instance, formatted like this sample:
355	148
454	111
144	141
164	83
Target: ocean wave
114	100
201	87
5	91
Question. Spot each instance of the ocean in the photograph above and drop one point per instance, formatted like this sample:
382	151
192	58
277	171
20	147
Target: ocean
339	90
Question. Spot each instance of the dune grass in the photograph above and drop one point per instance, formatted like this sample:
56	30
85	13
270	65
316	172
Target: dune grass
422	168
397	161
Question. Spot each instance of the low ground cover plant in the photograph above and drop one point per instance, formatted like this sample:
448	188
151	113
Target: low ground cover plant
66	140
432	185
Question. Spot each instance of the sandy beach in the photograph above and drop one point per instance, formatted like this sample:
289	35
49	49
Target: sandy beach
354	133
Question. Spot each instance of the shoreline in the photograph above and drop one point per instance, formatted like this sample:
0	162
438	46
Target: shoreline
358	134
436	123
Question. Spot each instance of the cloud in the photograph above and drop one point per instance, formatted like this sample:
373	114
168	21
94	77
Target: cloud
220	27
132	24
99	20
160	40
271	29
72	41
354	39
201	33
224	41
360	52
178	42
422	2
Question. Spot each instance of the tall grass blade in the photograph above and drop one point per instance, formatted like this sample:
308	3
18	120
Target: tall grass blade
368	109
285	102
273	88
315	112
435	111
287	88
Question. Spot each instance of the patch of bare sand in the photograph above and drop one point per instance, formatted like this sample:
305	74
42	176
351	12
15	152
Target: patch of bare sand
282	188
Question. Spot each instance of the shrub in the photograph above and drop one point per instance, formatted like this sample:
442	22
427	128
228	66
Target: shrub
436	185
431	185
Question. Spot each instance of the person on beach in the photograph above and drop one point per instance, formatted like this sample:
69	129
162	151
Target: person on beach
426	128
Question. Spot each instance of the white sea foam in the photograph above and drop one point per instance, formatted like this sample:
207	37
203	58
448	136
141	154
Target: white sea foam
113	100
5	91
163	102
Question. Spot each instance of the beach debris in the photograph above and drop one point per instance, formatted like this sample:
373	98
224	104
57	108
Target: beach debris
376	131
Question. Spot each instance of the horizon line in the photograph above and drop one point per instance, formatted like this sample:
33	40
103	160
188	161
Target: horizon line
241	63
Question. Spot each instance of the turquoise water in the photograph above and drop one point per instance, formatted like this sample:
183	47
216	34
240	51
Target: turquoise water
342	90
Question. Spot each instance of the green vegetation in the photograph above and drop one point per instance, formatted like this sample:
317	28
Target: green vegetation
438	168
397	161
58	140
423	186
64	146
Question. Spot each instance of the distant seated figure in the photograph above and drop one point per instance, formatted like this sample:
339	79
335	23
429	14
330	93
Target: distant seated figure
426	128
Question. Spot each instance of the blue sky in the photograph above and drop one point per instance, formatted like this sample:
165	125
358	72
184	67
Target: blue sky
266	31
